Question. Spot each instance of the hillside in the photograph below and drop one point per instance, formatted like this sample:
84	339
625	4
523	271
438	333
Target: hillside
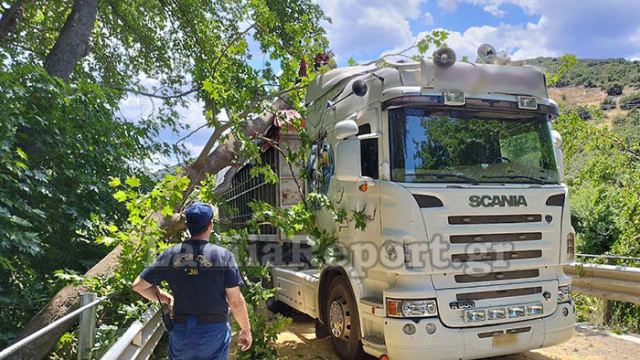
591	73
603	91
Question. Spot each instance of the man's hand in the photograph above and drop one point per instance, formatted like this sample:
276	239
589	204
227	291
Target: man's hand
168	300
153	293
245	340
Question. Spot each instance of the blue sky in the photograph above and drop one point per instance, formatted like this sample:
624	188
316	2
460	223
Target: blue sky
366	29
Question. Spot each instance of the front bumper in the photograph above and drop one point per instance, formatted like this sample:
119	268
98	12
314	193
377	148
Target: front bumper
474	343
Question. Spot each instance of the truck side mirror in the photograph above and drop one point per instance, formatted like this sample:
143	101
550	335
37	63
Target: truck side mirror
347	158
557	149
346	128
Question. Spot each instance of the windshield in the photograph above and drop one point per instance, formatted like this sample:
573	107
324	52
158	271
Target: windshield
464	146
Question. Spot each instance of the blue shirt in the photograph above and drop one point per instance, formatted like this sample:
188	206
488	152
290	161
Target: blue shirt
198	274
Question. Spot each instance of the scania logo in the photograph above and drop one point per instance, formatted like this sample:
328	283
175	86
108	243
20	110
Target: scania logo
457	305
497	200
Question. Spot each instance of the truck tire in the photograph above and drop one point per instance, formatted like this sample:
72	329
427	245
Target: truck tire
343	320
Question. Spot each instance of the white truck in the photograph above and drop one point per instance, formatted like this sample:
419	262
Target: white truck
458	172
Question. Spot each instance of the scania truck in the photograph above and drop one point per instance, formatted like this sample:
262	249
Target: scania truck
458	173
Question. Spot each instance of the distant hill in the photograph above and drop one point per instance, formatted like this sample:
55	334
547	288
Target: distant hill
591	73
601	90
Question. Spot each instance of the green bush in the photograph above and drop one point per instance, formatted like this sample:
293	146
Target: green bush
603	174
630	101
628	127
608	103
614	89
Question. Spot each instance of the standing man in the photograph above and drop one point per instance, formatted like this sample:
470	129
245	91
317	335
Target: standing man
205	280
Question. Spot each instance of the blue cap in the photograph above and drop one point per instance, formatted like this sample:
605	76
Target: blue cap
198	216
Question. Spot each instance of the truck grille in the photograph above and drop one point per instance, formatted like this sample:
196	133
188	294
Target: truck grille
493	256
504	275
494	219
496	294
481	238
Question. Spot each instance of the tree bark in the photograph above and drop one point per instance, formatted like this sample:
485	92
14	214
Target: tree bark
11	18
72	43
67	299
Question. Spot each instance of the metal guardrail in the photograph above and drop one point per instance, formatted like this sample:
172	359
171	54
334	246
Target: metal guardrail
87	313
139	341
610	282
609	257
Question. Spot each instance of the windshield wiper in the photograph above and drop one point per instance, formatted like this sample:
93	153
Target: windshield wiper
534	179
465	178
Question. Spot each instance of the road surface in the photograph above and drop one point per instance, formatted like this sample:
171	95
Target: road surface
589	343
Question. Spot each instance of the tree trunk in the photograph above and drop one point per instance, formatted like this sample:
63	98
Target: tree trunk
67	299
73	41
11	18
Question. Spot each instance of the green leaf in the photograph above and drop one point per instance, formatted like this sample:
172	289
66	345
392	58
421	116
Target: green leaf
22	154
114	182
167	210
132	181
120	195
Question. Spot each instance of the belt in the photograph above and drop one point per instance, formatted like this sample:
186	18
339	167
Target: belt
202	319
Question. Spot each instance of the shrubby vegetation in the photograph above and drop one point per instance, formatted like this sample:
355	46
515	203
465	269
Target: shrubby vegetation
611	75
603	173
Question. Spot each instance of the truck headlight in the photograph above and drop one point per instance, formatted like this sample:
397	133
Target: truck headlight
497	313
516	311
412	308
476	315
535	309
564	294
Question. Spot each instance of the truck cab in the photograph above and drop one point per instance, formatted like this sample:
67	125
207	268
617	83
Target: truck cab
458	173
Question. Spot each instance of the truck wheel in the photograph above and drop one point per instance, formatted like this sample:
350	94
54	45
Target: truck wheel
343	321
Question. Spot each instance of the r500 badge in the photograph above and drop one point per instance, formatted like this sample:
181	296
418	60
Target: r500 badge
459	305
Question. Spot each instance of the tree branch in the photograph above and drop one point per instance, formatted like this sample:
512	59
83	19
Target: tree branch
154	95
11	18
191	133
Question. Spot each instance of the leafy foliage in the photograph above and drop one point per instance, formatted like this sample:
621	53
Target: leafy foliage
603	174
604	178
58	144
628	127
567	62
61	142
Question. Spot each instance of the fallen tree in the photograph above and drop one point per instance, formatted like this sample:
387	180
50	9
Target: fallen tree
208	162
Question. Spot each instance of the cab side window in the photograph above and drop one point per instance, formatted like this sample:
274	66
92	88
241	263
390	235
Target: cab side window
368	153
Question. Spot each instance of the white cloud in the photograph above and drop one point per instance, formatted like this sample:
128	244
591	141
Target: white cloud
428	18
448	5
494	10
360	28
519	41
587	28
